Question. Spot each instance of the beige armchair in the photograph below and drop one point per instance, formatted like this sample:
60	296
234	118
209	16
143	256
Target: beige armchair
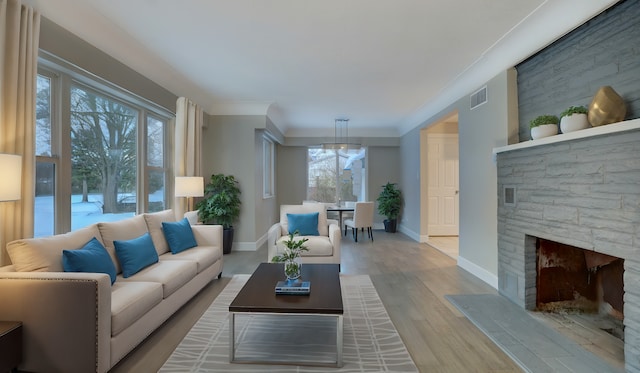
323	248
362	218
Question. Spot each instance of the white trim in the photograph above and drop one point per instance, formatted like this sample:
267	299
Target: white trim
478	271
251	246
413	235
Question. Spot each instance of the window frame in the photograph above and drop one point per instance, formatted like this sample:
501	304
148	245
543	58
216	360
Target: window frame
64	76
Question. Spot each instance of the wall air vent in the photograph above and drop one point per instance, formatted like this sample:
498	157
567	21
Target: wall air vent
509	196
479	97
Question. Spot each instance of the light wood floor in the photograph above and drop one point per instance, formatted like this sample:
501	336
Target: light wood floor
447	244
411	279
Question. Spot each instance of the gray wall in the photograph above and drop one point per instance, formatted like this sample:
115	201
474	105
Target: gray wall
291	175
603	51
232	145
383	165
67	46
480	130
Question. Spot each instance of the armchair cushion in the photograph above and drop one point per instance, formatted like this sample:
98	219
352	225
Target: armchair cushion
317	245
305	224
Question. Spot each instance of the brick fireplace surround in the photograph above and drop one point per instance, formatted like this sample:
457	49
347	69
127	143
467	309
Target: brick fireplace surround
580	189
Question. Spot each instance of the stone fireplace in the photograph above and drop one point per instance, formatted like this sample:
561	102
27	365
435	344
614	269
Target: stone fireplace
580	189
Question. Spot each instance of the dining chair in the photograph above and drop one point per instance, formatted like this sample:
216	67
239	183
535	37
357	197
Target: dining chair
362	218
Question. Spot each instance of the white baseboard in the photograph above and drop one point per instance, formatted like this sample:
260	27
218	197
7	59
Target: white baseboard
479	272
250	246
413	235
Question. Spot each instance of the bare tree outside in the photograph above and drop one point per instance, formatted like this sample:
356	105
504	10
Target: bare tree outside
103	147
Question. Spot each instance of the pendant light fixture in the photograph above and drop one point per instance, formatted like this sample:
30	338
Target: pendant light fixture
341	137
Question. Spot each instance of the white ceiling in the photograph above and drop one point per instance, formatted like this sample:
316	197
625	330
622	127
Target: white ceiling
387	65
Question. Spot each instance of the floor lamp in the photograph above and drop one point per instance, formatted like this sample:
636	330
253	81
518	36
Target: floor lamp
189	186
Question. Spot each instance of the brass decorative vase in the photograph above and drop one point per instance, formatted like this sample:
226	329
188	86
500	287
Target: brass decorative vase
606	107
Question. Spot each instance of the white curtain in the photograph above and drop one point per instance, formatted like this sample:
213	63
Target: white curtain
19	37
187	150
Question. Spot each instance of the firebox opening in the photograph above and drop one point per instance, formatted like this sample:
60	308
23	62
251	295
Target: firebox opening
573	280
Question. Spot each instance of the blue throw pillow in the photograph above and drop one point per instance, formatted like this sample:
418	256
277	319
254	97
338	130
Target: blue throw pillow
179	235
135	254
305	224
92	257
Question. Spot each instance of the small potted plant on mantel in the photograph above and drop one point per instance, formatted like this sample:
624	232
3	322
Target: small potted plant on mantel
544	126
574	119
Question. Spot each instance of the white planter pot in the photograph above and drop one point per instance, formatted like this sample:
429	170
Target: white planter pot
544	130
574	122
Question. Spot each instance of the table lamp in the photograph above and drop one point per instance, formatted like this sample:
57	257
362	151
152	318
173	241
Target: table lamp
189	186
11	177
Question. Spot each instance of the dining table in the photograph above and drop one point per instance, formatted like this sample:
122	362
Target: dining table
340	210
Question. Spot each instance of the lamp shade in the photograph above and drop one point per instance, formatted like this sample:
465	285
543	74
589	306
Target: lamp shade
189	186
10	177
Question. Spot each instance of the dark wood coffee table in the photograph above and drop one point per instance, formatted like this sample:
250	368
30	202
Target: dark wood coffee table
258	296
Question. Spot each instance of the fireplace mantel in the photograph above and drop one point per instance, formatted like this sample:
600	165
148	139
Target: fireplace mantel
628	125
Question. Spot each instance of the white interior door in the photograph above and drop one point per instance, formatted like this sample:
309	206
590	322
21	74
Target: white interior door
443	185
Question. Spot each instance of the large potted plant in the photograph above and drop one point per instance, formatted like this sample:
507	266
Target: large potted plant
389	202
221	205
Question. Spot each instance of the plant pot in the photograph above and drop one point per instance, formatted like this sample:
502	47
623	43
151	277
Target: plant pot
544	130
227	240
574	122
390	225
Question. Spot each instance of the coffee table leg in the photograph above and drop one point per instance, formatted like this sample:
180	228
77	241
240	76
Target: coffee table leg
232	337
339	336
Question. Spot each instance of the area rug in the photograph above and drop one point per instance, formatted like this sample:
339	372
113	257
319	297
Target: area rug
371	342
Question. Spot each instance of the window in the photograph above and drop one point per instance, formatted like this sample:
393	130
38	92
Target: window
336	176
102	153
267	167
46	159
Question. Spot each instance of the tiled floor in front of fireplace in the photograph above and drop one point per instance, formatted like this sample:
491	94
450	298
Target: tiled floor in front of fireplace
532	343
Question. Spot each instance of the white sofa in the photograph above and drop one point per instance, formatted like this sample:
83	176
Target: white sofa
80	322
323	248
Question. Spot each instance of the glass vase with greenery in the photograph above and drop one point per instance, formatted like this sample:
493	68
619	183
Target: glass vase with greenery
291	255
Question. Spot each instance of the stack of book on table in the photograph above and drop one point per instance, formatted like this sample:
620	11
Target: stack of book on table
295	287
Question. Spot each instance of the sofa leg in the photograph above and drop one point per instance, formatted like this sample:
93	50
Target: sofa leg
219	275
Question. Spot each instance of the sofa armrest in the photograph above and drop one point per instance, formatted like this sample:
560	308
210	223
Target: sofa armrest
274	233
66	319
335	235
333	221
208	235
